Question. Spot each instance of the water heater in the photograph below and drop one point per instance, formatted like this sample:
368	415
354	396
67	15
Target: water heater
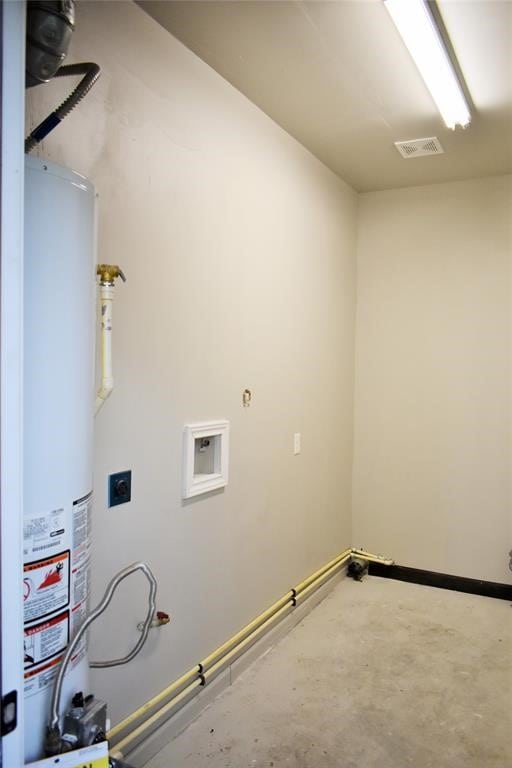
58	431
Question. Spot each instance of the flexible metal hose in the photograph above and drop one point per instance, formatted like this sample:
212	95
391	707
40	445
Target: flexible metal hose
91	74
53	725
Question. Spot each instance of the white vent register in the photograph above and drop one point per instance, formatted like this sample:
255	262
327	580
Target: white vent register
205	457
419	147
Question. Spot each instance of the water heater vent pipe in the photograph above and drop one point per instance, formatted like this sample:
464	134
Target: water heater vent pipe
107	274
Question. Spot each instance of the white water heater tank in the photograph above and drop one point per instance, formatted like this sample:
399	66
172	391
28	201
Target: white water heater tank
58	432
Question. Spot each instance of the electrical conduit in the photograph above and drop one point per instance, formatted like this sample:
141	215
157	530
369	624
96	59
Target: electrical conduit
91	73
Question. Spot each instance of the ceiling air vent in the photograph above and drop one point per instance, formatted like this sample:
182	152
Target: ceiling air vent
419	147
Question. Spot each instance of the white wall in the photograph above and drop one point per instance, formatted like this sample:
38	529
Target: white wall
239	248
432	454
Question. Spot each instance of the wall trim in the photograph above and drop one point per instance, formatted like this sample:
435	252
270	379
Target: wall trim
443	580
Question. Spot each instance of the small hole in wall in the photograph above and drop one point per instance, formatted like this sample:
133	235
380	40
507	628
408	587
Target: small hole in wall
246	398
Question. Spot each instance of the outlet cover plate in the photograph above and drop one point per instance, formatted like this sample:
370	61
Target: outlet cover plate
119	488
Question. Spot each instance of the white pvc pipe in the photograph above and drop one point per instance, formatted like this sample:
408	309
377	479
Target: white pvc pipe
107	376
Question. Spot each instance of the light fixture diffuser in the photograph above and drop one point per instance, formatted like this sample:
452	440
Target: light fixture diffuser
420	34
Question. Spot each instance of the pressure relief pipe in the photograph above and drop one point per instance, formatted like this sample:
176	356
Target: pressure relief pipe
107	274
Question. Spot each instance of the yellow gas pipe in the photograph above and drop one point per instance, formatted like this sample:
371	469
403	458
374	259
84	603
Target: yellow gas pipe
202	672
372	558
285	601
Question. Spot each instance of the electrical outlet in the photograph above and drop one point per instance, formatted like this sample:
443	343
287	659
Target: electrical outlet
119	488
296	443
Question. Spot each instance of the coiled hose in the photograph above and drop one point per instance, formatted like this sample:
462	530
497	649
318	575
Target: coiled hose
91	73
53	742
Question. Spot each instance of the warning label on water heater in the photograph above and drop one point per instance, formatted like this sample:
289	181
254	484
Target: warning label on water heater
44	533
56	589
46	586
43	645
82	509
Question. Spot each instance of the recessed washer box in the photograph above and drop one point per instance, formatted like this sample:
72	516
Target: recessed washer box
205	457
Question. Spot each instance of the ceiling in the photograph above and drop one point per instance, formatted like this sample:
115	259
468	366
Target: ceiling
338	78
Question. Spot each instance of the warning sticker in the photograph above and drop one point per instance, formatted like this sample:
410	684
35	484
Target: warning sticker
82	509
80	599
42	677
45	640
81	583
46	586
44	533
42	643
78	614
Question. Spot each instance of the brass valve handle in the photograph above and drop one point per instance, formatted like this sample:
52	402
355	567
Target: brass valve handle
108	273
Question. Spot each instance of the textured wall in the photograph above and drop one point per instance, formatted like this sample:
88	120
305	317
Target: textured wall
432	453
239	248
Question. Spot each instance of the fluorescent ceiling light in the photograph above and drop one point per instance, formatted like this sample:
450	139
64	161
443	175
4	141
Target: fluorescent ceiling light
414	21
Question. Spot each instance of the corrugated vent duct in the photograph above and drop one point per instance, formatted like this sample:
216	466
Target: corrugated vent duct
419	147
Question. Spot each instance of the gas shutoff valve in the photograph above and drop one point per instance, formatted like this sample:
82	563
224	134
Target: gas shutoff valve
161	618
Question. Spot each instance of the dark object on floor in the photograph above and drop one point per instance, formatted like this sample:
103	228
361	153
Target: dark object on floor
358	568
117	764
443	581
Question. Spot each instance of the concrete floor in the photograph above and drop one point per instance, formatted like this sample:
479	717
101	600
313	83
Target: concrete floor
381	674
